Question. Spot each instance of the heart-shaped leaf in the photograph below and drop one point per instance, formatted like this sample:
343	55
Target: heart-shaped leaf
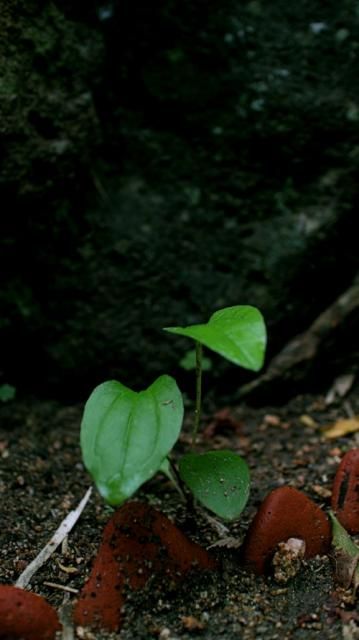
125	435
236	333
219	480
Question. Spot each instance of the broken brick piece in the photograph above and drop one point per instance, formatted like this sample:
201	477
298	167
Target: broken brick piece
285	513
26	616
345	496
138	542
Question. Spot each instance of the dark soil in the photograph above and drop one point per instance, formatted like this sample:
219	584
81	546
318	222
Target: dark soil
42	479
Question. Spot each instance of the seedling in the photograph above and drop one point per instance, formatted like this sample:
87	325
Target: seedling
126	437
236	333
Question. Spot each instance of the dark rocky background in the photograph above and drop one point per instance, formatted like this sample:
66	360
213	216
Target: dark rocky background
161	160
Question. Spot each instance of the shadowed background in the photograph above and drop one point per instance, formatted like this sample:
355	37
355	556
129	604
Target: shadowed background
160	162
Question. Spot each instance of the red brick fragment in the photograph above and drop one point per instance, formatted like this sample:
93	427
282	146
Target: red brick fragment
345	496
285	513
26	616
138	542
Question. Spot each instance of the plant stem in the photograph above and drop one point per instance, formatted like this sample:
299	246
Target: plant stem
198	407
169	469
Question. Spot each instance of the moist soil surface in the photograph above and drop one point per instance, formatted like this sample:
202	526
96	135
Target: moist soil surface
42	478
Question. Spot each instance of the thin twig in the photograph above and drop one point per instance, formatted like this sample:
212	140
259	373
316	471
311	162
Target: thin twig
62	587
45	553
65	617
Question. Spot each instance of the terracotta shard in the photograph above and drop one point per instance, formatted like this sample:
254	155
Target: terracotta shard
285	513
138	542
345	496
26	616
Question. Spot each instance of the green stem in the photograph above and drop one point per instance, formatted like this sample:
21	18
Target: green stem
198	407
169	469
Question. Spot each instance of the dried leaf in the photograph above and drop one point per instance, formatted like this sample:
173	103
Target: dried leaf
342	427
229	542
67	569
345	566
308	421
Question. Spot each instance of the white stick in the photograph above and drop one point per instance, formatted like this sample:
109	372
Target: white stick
45	553
62	587
65	617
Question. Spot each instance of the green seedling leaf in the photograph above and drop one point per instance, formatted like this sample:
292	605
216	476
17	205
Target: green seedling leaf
341	538
236	333
7	392
219	480
126	436
346	555
188	361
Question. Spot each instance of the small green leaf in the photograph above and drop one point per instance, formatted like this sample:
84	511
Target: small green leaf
219	480
237	333
188	361
125	436
341	539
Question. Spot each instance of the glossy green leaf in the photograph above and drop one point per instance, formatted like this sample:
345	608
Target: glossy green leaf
125	435
219	480
236	333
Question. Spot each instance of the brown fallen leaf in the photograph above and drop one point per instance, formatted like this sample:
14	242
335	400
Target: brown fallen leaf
342	427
